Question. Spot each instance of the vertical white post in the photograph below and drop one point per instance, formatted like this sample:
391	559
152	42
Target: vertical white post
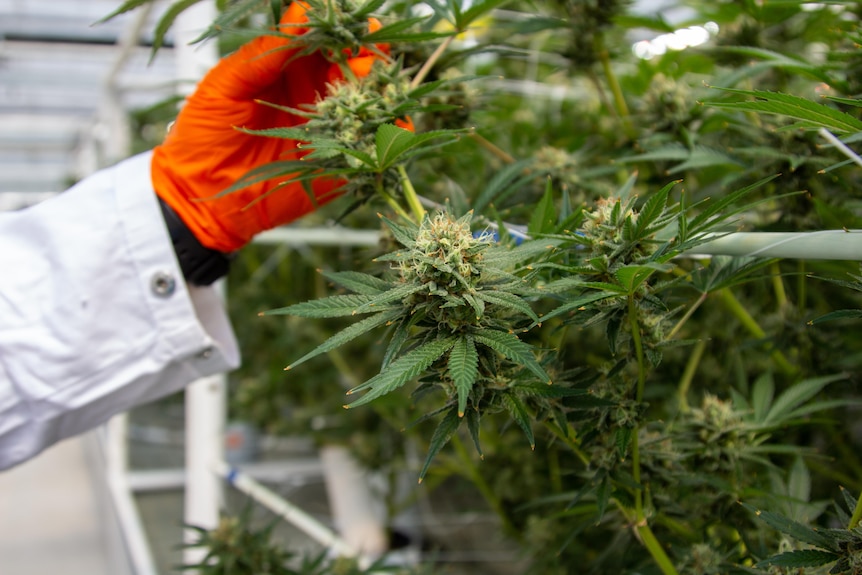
205	399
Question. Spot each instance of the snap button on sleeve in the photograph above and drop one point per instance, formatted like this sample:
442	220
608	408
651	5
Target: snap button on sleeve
163	284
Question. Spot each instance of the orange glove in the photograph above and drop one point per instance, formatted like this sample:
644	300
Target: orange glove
203	155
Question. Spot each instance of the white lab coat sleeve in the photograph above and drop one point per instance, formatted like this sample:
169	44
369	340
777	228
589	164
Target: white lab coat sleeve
95	317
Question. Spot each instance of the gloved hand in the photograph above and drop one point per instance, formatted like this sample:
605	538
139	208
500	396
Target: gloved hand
203	154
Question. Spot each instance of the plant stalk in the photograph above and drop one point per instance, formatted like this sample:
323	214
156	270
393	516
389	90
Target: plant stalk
687	315
778	286
857	514
619	98
745	318
688	375
429	63
655	549
410	195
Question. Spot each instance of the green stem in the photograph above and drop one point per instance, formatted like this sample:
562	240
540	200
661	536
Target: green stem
687	315
567	439
393	204
639	349
857	514
688	374
469	468
649	540
410	195
636	456
745	318
619	98
801	285
778	285
655	549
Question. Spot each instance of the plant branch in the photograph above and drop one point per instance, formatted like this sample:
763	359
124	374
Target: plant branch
655	549
429	63
745	318
857	514
410	194
688	374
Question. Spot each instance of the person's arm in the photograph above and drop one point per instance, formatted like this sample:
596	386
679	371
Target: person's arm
95	316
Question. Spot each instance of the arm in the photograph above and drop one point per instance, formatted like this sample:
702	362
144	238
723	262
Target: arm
94	314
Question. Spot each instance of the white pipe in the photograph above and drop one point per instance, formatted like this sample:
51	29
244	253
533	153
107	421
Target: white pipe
115	454
822	245
319	237
286	510
205	419
357	513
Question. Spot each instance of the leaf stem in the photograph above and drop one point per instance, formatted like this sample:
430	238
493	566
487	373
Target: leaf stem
492	147
745	318
410	194
688	375
619	99
857	514
429	63
687	315
639	350
778	285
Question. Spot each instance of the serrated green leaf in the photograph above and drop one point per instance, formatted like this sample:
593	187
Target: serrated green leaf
463	369
126	6
448	426
544	217
399	292
837	314
404	235
581	302
368	8
798	394
472	417
549	391
363	284
232	14
348	334
513	348
652	209
799	559
761	396
393	142
516	409
476	10
504	182
632	276
396	31
717	210
792	528
402	370
332	306
622	440
167	21
508	300
811	114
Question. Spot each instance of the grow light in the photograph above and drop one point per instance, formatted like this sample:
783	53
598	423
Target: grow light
676	41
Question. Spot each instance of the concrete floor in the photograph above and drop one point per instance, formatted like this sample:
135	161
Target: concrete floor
50	518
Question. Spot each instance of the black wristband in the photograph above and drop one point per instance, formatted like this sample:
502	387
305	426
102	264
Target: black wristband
200	265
